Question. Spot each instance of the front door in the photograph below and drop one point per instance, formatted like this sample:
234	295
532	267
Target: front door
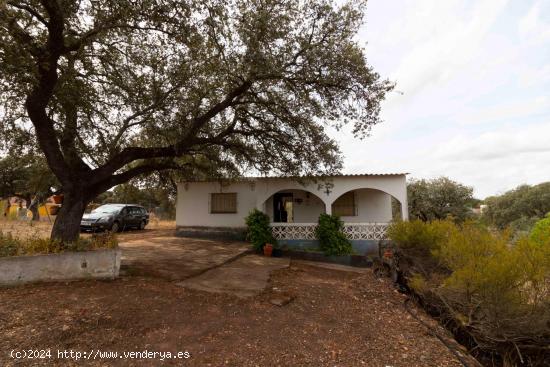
283	208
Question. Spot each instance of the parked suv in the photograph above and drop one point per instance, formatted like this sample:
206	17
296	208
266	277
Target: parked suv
115	217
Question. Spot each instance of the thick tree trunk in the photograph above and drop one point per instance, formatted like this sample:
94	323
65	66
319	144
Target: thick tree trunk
66	227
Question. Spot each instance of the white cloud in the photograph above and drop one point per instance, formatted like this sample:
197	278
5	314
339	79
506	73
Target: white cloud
534	76
501	143
533	26
507	112
451	43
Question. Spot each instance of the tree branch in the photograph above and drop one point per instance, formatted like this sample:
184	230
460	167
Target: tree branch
30	10
131	154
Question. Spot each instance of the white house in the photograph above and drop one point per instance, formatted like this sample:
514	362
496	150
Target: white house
363	201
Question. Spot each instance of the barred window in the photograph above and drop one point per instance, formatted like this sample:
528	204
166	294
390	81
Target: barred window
223	202
344	206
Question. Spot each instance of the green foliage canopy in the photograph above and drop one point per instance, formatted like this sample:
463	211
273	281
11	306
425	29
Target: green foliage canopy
438	199
148	197
519	208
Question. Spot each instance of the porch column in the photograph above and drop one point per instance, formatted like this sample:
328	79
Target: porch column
328	208
405	209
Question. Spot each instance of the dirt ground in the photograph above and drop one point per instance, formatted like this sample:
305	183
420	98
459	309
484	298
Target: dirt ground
334	318
174	258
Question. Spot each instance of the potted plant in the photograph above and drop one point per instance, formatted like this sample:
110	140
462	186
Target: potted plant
268	249
259	231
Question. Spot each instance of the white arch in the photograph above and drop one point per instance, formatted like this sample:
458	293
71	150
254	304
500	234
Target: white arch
268	189
335	198
399	192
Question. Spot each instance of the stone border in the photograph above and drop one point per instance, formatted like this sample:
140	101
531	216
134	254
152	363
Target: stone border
97	264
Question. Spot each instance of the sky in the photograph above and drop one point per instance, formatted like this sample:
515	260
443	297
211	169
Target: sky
472	96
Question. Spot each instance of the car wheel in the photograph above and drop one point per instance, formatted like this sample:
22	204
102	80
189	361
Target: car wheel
115	227
142	225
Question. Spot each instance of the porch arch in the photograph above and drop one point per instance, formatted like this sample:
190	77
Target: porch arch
306	206
398	192
366	205
269	189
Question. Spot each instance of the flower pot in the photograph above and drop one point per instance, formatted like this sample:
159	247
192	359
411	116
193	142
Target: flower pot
268	249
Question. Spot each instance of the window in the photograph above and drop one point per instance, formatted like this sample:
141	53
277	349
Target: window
344	206
223	203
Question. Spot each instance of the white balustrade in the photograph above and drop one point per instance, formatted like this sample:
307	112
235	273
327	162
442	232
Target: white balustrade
293	231
306	231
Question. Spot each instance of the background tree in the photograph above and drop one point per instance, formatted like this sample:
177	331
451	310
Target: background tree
117	89
158	199
439	198
519	208
28	178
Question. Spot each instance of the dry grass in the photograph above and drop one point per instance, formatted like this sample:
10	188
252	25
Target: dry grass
25	229
41	229
155	223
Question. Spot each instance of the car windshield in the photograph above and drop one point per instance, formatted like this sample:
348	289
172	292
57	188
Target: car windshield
107	209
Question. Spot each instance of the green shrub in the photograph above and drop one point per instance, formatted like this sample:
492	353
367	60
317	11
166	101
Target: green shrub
541	231
8	245
492	288
259	231
419	235
37	245
332	240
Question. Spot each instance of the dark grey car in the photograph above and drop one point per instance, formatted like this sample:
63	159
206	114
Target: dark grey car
115	217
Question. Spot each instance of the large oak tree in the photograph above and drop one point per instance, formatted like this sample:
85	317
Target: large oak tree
113	89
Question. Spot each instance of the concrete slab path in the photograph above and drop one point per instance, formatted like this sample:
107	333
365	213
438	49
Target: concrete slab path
351	269
176	258
244	277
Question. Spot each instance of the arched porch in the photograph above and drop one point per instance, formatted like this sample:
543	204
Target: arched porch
294	213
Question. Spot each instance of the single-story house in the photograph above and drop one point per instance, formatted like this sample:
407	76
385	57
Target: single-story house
217	209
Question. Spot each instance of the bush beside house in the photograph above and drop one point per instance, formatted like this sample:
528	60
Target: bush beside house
332	241
486	286
258	229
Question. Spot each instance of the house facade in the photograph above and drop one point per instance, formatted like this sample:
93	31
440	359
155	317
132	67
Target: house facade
363	201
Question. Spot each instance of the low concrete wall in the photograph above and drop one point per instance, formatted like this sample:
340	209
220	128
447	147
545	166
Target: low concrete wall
351	260
64	266
213	233
361	247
